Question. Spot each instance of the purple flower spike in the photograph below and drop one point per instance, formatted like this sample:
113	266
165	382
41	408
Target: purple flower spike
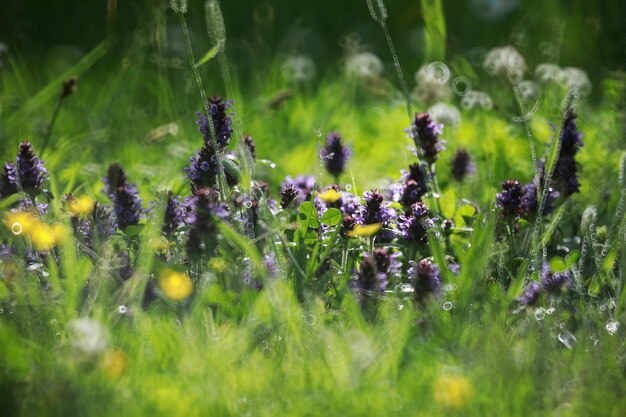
428	132
126	202
425	278
221	122
30	169
334	155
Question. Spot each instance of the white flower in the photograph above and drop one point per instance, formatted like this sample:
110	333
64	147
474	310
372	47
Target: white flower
476	98
528	90
364	65
299	68
548	72
506	62
446	114
87	335
577	79
432	82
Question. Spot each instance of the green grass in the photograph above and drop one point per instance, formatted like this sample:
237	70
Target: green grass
304	344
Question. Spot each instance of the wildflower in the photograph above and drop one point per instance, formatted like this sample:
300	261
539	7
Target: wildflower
360	230
21	221
206	211
334	155
250	145
80	207
221	122
565	175
475	99
8	180
452	391
425	132
30	169
375	270
176	285
414	224
304	185
416	185
531	294
510	199
374	210
432	82
445	114
529	202
88	336
576	79
288	196
548	72
126	202
554	282
425	278
330	195
348	224
174	214
45	237
364	65
462	165
204	168
300	68
506	62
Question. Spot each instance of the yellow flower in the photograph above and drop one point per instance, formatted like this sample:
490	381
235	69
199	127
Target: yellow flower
364	230
45	236
21	222
115	363
218	264
176	285
160	245
330	196
452	391
81	206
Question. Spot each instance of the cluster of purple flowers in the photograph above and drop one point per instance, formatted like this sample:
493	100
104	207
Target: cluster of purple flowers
565	176
462	165
425	132
127	208
517	201
28	174
220	118
335	155
550	282
414	224
374	272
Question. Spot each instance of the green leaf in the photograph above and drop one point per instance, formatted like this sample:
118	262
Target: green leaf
331	217
571	258
558	264
211	53
308	215
310	237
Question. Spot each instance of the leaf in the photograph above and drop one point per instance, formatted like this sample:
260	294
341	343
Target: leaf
331	217
211	53
310	237
557	264
308	215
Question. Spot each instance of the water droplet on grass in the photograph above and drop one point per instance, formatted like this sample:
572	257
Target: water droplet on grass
447	306
568	339
540	313
612	327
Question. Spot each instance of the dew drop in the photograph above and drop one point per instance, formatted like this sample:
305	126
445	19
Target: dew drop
612	327
447	306
122	309
567	339
551	310
264	345
540	313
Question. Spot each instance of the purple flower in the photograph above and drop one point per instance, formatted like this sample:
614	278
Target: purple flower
8	180
207	209
414	224
374	210
510	199
425	278
174	214
416	185
531	294
30	169
529	202
427	139
221	122
249	143
289	196
554	282
126	202
304	185
462	165
565	175
375	270
334	155
203	170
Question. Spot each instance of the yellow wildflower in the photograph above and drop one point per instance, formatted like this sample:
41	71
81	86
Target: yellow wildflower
21	222
176	285
45	236
364	230
80	206
452	391
330	196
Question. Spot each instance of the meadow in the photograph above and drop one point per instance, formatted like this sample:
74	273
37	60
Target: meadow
193	224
